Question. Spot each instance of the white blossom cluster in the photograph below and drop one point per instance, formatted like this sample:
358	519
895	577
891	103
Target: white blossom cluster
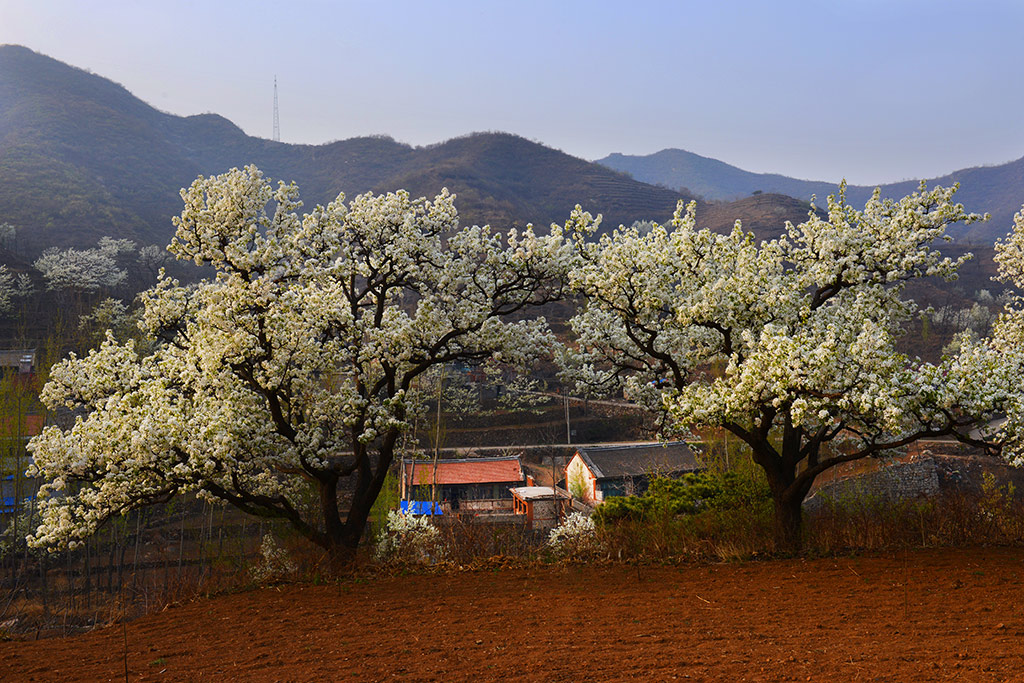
9	288
575	536
408	538
13	287
978	318
992	369
275	563
291	368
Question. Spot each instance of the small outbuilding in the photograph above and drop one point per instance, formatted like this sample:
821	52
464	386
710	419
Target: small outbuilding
597	472
21	361
543	507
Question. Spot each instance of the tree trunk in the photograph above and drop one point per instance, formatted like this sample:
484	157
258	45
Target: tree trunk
344	541
788	523
342	556
787	491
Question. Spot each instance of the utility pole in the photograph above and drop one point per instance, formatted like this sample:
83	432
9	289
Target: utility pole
568	431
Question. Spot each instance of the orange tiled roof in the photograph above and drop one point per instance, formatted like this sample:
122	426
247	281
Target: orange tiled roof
30	426
466	471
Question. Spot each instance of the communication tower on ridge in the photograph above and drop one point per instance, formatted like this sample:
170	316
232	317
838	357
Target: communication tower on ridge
277	122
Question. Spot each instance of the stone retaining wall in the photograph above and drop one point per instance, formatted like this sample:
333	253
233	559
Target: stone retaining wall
918	478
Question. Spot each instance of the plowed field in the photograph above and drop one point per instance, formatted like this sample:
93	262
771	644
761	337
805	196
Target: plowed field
916	616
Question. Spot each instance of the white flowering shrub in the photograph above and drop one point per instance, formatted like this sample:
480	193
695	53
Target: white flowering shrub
408	538
8	236
576	536
12	538
790	343
291	369
274	563
109	314
151	258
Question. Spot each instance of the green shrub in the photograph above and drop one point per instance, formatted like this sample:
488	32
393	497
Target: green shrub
692	493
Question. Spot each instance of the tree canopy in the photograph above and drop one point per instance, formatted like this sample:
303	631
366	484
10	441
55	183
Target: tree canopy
291	370
790	344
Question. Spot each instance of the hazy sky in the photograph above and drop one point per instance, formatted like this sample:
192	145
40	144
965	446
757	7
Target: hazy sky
873	90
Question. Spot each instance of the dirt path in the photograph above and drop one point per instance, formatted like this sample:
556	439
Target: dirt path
920	616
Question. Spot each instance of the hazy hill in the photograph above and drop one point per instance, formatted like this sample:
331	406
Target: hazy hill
998	190
81	157
710	178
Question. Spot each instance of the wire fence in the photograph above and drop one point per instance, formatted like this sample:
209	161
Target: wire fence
136	563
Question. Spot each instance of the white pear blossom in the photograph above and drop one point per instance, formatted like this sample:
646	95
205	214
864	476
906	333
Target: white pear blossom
282	383
408	538
86	270
152	258
109	315
574	537
23	286
787	343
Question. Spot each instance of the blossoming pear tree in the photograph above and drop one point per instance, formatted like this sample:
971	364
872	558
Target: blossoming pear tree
281	384
988	373
789	343
85	270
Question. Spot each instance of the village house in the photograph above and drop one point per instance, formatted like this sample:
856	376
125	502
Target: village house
21	360
597	472
462	484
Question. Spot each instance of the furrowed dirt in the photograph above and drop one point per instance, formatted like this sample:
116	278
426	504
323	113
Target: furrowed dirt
916	616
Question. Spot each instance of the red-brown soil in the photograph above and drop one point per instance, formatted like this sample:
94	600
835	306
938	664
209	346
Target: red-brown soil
917	616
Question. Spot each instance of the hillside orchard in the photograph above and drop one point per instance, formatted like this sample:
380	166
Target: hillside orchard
293	370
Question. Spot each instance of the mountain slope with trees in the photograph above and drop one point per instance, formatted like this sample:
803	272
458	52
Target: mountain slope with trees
81	157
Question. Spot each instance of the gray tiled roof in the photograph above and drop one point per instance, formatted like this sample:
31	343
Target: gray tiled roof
628	461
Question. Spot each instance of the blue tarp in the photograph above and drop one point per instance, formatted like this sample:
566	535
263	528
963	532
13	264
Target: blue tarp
7	503
421	507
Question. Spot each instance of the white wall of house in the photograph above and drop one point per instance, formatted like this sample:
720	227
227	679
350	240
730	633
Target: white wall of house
580	481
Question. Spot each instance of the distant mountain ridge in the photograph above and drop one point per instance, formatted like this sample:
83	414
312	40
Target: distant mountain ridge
81	157
710	178
998	190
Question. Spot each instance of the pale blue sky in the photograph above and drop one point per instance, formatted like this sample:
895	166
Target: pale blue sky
873	90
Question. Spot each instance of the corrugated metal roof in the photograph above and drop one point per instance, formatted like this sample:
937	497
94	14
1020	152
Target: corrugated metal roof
533	492
630	461
465	471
